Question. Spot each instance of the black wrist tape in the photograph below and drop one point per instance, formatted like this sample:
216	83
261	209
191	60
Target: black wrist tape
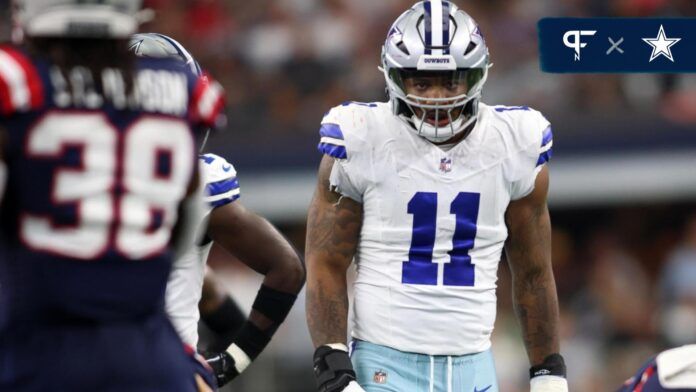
273	304
251	340
227	318
553	365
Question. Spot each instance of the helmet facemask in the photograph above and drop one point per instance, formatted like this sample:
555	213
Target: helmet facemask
437	104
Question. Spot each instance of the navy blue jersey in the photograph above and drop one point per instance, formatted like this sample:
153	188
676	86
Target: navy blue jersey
672	370
97	167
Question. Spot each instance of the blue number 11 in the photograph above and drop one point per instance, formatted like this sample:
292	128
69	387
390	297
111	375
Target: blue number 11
420	269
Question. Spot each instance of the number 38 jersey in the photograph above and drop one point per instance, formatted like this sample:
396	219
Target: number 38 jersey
96	173
433	220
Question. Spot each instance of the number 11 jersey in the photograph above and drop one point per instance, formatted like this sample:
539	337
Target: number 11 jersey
433	220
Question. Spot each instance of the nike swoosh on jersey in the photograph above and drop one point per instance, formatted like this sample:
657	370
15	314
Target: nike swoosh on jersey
482	390
226	168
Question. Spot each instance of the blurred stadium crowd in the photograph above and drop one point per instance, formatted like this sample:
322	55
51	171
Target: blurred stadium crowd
625	278
285	62
626	274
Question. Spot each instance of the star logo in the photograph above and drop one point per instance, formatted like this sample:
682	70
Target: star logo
661	45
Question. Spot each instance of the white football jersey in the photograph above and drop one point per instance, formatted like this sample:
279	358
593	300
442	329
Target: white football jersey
186	279
433	220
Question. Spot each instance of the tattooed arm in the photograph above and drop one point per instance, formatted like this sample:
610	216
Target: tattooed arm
333	228
528	251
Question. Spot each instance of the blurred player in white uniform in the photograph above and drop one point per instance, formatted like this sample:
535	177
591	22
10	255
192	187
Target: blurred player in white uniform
424	192
185	285
250	238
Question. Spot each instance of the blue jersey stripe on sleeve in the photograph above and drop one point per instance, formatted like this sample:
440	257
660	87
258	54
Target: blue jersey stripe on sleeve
545	157
224	201
547	136
222	187
331	130
333	150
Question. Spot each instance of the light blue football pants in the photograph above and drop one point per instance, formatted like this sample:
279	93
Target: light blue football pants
384	369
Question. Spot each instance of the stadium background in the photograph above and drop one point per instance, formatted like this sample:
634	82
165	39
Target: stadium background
623	174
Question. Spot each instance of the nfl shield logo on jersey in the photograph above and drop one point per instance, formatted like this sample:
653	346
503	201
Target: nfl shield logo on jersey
380	377
445	165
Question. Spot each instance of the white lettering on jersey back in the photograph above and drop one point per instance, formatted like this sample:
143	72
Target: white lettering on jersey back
158	91
421	224
161	91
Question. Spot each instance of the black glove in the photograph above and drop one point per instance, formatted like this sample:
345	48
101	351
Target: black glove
248	345
332	369
223	367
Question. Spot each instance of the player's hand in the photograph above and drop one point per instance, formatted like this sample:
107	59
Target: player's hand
333	369
223	367
549	376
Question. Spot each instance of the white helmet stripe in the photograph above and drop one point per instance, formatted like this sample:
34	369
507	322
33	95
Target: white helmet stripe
446	26
436	25
190	61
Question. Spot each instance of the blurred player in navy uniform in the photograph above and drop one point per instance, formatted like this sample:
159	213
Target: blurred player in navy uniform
102	189
239	232
672	370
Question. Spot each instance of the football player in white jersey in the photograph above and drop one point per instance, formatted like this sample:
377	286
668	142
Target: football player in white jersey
249	237
424	192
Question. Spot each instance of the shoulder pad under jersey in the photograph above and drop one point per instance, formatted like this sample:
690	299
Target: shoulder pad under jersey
532	132
222	186
344	129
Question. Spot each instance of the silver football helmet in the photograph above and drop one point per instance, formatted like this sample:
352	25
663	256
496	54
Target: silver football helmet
162	46
77	18
435	37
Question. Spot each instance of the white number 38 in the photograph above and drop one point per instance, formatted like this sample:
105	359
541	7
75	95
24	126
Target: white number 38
122	201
